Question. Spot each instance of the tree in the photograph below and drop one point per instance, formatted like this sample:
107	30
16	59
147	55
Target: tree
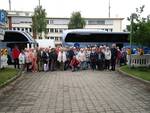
140	28
39	22
76	21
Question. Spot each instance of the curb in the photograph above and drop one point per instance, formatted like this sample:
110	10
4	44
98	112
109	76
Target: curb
8	85
134	77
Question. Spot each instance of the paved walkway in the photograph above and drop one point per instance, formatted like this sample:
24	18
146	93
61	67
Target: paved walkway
76	92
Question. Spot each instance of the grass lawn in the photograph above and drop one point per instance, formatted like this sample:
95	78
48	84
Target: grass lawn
6	74
143	73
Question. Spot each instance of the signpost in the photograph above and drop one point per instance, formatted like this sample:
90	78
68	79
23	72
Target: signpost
3	56
3	16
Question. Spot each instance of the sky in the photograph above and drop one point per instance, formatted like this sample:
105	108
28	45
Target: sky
87	8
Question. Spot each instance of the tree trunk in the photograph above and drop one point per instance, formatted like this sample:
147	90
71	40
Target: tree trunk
34	35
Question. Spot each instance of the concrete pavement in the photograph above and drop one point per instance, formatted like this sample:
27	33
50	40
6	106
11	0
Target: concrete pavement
76	92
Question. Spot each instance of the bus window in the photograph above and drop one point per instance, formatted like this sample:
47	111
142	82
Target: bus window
84	37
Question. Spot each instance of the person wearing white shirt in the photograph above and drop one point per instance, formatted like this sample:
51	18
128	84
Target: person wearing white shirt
107	57
82	58
22	58
62	58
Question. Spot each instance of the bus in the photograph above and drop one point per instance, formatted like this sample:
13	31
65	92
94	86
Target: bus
19	38
16	38
88	37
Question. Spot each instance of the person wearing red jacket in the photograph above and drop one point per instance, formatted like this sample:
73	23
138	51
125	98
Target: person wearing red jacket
15	55
74	63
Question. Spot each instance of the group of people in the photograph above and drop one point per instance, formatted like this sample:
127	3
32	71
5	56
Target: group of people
65	58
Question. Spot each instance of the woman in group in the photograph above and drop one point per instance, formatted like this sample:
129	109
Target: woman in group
34	61
74	64
82	58
22	58
107	58
62	58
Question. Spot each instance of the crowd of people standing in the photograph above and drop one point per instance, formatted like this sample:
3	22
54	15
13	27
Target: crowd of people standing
69	58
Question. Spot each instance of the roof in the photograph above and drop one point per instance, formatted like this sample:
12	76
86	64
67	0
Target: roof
15	14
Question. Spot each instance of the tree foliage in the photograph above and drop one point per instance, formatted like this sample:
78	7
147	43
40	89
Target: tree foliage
39	22
76	21
140	27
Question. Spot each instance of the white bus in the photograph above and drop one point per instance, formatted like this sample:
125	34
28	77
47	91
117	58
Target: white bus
18	38
86	37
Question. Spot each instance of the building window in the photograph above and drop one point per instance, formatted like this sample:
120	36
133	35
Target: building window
60	38
22	29
60	30
46	37
56	30
51	37
65	29
51	22
27	14
14	28
106	30
56	38
108	22
26	29
40	37
96	22
47	21
30	30
18	29
47	30
110	30
51	30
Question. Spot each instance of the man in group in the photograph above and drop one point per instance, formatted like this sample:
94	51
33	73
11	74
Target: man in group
93	59
15	55
100	59
113	57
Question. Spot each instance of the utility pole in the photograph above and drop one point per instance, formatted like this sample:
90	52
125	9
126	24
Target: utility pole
10	5
132	17
39	2
109	9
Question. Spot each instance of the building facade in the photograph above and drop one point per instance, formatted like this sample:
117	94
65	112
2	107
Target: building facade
22	21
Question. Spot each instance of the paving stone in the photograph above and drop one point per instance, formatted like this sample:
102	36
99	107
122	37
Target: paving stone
76	92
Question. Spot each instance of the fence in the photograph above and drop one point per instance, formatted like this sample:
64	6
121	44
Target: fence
139	60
